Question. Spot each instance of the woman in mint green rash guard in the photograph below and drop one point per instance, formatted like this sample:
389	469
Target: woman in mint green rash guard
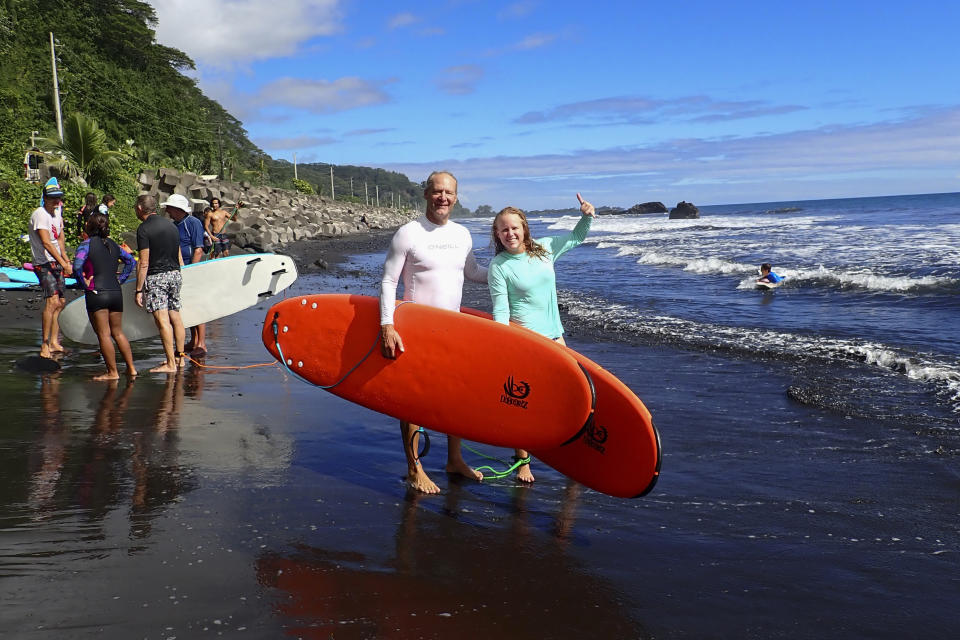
522	282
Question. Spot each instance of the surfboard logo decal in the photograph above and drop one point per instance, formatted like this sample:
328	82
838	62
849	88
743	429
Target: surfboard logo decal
515	393
595	436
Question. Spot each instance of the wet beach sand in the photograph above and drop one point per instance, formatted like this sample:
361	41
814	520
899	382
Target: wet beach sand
240	502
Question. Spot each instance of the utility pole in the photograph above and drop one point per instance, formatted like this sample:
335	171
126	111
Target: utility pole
333	195
351	186
366	194
220	145
378	194
56	87
294	165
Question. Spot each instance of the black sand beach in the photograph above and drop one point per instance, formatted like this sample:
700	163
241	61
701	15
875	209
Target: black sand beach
240	502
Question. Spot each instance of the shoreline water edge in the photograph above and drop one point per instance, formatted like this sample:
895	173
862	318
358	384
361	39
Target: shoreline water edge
234	499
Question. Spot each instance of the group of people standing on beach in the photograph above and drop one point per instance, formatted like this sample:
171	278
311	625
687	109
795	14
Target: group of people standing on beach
164	246
432	255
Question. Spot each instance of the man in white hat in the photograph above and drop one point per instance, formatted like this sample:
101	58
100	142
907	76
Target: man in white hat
159	279
50	263
191	250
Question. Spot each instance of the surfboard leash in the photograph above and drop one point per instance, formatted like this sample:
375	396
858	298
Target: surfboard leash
426	445
283	360
233	367
495	474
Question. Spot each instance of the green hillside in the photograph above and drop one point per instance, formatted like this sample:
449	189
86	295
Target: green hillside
114	76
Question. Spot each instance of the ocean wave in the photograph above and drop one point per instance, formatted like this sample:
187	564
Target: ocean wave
825	277
820	276
943	374
643	225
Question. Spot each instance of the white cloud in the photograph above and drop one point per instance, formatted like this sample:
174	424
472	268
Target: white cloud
232	33
402	20
528	43
517	10
460	80
619	110
320	96
882	158
294	142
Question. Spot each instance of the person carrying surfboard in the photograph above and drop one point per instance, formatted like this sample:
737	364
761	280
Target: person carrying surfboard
767	274
523	285
159	279
431	255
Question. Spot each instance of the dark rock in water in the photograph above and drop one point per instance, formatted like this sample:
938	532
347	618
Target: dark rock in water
784	210
606	211
684	210
648	207
320	262
38	364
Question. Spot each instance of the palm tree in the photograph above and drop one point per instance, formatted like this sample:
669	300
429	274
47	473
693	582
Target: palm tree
83	152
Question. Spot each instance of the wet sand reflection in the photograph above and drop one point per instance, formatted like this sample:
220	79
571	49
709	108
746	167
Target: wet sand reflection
450	579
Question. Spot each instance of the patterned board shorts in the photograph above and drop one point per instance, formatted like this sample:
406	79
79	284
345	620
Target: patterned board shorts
221	243
51	279
162	291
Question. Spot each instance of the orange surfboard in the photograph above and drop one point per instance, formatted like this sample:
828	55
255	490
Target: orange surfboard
458	374
619	452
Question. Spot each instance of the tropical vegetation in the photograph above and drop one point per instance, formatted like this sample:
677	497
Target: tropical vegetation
128	103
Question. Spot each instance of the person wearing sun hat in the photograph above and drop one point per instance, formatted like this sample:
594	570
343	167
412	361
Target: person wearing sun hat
50	263
191	250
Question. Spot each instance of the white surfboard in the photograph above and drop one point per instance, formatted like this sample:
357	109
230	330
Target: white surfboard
211	289
768	286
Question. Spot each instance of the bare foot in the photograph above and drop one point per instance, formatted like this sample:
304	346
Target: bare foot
420	481
524	474
131	373
45	352
56	347
106	376
464	470
164	368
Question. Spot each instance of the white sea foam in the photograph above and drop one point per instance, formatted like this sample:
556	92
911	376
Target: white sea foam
943	374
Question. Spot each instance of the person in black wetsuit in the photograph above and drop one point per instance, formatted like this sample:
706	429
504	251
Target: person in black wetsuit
95	264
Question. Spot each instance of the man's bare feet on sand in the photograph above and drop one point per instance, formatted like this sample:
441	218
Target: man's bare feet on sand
165	368
465	470
419	481
57	348
524	474
106	376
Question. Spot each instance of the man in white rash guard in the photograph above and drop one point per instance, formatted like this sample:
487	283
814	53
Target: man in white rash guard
431	255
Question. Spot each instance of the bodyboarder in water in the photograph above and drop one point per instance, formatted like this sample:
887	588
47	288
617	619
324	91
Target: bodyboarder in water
767	275
431	255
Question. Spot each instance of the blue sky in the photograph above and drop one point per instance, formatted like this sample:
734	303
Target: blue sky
529	102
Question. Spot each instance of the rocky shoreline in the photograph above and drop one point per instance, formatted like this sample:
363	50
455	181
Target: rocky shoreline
271	218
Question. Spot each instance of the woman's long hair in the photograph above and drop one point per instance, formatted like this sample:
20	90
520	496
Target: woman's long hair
89	202
529	246
98	225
